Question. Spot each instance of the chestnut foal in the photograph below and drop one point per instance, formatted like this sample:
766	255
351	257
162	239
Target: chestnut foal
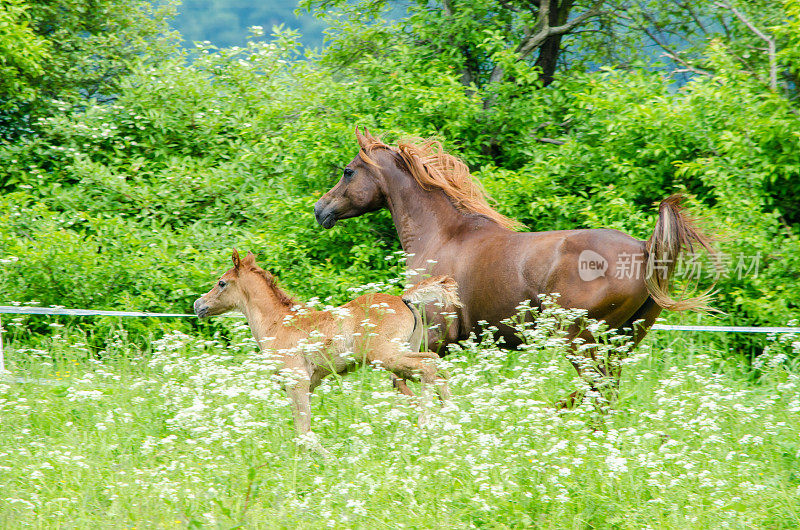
374	328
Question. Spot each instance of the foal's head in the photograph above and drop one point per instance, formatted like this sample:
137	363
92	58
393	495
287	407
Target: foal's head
227	294
231	290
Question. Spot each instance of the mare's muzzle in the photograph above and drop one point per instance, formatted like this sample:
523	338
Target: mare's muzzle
324	214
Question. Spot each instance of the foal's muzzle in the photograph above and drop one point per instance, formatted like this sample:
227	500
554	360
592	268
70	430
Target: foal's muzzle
324	214
199	309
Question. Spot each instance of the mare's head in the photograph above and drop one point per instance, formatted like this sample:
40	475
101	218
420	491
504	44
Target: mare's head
368	178
230	291
359	191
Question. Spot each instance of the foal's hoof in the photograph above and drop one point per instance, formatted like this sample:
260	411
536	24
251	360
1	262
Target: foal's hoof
401	386
564	404
449	406
310	443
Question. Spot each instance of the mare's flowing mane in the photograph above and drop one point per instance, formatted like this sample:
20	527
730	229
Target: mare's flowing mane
434	168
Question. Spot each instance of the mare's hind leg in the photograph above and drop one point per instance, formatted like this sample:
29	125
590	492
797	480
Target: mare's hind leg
645	316
602	375
608	373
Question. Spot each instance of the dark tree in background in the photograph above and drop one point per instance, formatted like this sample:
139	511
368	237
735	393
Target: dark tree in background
480	36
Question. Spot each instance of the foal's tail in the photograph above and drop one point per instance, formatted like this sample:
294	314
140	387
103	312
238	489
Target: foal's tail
675	231
443	289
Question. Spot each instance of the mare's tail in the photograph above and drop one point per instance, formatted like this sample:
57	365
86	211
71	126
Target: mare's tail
675	231
443	289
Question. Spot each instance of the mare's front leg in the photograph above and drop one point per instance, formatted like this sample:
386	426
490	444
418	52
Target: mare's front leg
442	328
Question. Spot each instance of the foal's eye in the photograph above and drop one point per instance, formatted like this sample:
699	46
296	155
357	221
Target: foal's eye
222	283
348	172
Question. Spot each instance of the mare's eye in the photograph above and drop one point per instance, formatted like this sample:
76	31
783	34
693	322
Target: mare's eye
348	172
222	283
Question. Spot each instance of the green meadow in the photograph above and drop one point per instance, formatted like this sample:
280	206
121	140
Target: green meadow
196	432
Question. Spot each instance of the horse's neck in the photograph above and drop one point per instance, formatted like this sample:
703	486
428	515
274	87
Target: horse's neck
424	219
427	219
264	314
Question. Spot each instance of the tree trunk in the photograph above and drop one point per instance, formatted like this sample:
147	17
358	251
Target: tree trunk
551	49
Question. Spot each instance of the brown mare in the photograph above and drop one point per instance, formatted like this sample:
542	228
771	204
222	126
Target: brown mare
446	226
372	329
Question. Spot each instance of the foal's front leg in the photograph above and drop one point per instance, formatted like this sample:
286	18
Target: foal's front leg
298	392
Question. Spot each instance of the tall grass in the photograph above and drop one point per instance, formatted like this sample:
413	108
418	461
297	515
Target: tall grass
198	433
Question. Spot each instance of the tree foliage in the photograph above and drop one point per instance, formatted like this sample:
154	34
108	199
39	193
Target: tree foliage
71	52
21	51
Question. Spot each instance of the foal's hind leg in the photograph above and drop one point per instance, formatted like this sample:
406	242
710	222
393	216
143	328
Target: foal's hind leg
401	386
419	366
442	329
424	364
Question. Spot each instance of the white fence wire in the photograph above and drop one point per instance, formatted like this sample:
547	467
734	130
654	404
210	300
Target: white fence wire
61	311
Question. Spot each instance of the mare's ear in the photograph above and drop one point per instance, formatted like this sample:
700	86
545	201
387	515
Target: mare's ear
237	262
249	260
362	141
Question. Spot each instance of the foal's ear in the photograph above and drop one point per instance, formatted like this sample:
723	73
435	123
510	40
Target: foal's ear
237	262
249	260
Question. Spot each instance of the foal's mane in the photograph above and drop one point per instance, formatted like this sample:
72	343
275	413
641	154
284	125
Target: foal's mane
283	297
434	168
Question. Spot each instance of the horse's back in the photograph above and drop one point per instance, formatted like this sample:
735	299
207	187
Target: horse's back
600	270
383	313
540	258
506	268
